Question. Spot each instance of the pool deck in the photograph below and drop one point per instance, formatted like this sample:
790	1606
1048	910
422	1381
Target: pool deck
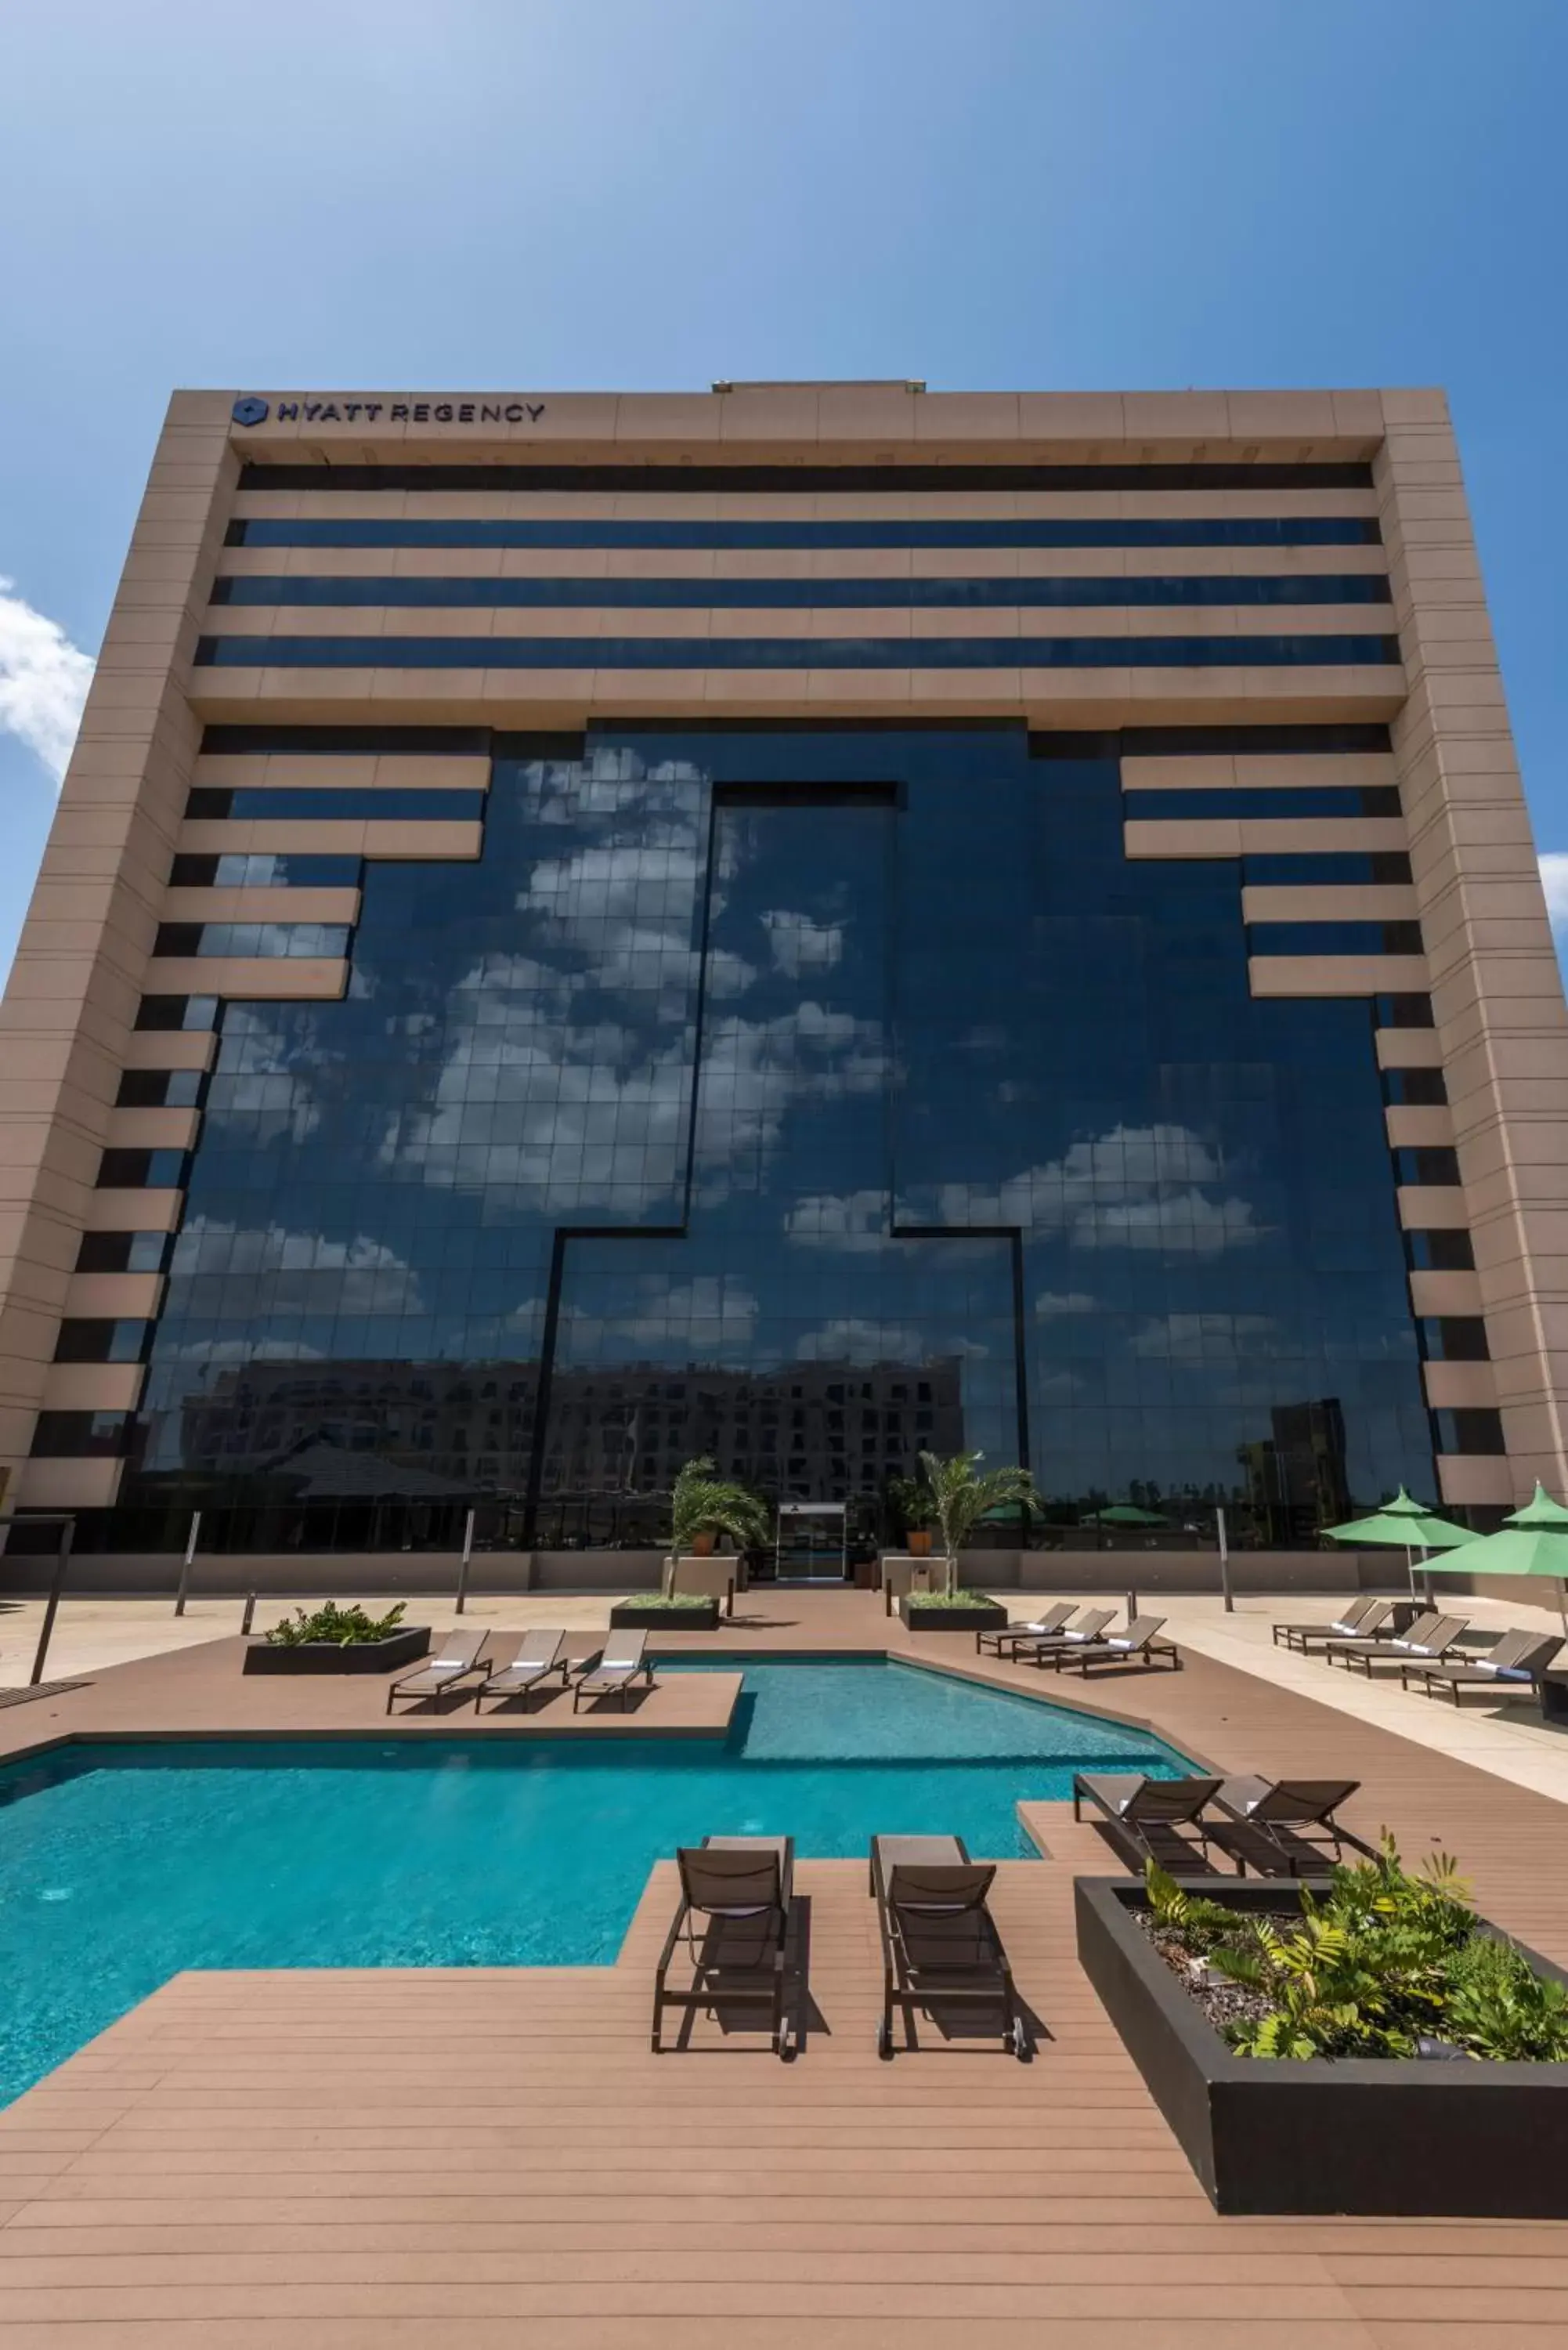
388	2159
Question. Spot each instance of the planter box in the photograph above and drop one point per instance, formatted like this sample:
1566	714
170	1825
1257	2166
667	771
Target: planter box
1391	2137
637	1616
919	1616
397	1653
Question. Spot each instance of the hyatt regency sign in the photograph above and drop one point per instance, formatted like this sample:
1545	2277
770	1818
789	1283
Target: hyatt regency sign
313	409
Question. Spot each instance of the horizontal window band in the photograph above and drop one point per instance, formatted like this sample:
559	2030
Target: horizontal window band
1303	868
1452	1338
142	1170
280	940
479	741
1349	938
90	1341
797	652
1402	1012
159	1088
1472	1431
80	1435
177	1012
798	594
1435	1164
218	803
372	742
1448	1250
1206	742
124	1252
813	480
1284	800
237	869
1242	530
1415	1088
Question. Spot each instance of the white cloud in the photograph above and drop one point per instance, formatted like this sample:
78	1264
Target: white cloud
1051	1304
852	1339
369	1278
798	944
852	1223
1144	1187
44	680
1204	1338
1554	882
709	1318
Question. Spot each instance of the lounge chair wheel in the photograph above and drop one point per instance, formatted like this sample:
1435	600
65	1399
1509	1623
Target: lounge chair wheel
885	2040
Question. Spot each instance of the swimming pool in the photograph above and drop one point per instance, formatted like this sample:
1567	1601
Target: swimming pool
120	1864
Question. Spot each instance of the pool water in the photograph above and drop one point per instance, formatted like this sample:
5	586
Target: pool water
121	1864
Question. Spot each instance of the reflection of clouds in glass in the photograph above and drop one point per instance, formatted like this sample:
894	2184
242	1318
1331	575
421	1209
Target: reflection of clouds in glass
798	945
852	1339
1205	1338
852	1223
362	1276
1148	1187
262	1081
707	1318
217	1353
1052	1304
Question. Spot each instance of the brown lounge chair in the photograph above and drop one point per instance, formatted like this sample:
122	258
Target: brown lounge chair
540	1657
997	1643
1518	1656
1268	1825
456	1663
1136	1645
741	1889
1360	1621
1427	1640
1145	1815
1081	1635
620	1662
940	1942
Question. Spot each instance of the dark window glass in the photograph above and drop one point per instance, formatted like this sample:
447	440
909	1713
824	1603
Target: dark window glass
294	940
84	1341
177	1012
1454	1338
1428	1166
818	595
731	1085
683	481
236	870
1335	938
159	1089
1329	867
1204	742
795	653
319	804
1307	530
1420	1087
1287	801
142	1171
1475	1430
122	1251
80	1435
1440	1250
1403	1011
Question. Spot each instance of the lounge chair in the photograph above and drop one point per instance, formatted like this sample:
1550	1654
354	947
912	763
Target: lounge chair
1269	1825
457	1663
1144	1815
620	1662
1518	1656
1416	1630
996	1643
940	1942
1137	1644
541	1655
1047	1645
741	1888
1360	1621
1425	1642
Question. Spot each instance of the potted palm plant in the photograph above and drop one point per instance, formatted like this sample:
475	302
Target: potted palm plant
960	1492
703	1507
910	1502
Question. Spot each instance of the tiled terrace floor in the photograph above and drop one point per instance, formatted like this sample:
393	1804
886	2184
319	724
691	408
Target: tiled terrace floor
328	2161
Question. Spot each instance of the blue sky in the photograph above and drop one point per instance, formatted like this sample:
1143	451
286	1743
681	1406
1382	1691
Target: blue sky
1063	193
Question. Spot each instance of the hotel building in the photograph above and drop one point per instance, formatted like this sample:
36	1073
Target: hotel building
803	922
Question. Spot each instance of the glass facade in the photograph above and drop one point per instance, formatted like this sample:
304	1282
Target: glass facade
800	1096
793	653
1008	592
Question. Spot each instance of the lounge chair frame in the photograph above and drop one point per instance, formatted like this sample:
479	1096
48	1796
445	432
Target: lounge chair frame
741	1940
538	1670
1146	1825
1277	1836
436	1685
604	1673
1007	1635
1363	1626
1530	1654
1442	1634
939	1951
1123	1648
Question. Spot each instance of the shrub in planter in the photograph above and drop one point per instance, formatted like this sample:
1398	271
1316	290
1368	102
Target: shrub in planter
345	1628
677	1611
950	1611
335	1639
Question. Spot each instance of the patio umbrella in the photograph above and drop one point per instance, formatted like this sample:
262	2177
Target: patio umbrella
1403	1523
1533	1541
1122	1513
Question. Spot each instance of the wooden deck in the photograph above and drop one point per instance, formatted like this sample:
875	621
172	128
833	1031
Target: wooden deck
348	2160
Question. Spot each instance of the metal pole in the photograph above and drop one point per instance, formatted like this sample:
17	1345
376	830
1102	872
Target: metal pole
1132	1606
62	1562
185	1570
246	1619
1224	1563
463	1570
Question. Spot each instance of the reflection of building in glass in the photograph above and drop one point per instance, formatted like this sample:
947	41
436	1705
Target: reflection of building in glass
953	970
1301	1468
811	1431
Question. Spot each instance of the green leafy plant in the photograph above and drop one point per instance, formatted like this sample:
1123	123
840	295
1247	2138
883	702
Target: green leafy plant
1501	2010
1202	1925
961	1494
345	1628
671	1602
910	1499
703	1503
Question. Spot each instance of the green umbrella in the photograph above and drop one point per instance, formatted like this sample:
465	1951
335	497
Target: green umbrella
1124	1514
1531	1541
1403	1523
